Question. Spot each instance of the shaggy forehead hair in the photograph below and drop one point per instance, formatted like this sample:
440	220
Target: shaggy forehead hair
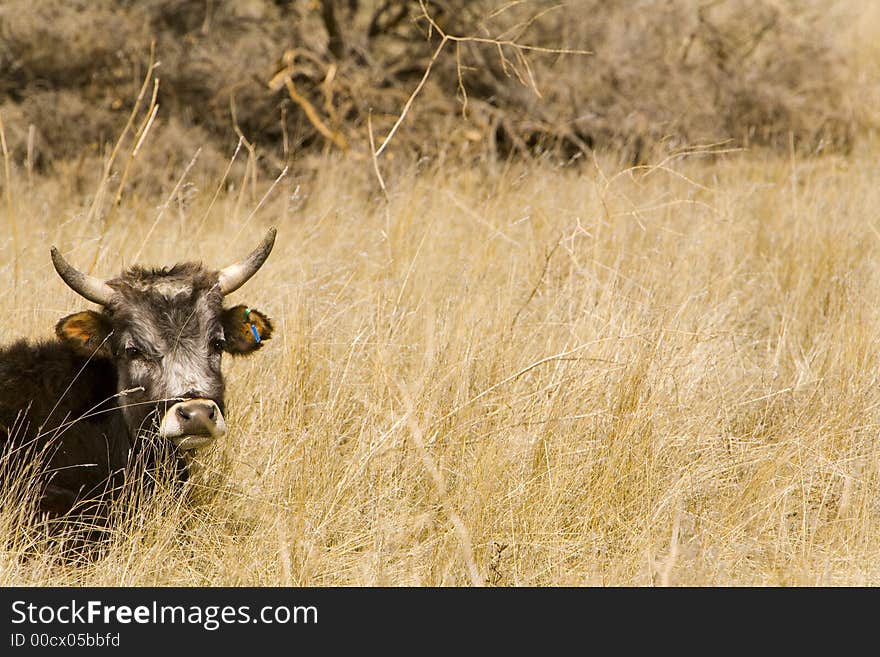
174	302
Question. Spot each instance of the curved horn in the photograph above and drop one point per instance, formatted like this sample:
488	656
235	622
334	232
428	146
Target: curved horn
234	276
93	289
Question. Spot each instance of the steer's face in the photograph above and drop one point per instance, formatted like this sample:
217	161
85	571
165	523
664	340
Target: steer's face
167	340
166	331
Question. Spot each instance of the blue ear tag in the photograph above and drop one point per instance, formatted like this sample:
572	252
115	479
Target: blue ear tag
247	314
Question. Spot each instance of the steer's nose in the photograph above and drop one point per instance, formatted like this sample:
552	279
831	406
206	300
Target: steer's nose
193	423
198	413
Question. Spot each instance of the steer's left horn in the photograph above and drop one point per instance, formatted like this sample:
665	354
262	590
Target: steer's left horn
93	289
234	276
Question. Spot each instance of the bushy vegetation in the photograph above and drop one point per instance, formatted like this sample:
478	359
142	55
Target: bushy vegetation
301	77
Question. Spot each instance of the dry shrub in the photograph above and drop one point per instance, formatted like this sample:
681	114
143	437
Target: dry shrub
678	74
69	126
752	71
63	44
298	77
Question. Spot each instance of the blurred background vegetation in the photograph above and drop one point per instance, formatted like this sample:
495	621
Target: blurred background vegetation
296	78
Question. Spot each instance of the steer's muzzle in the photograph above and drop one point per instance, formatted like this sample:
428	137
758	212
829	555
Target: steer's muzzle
192	423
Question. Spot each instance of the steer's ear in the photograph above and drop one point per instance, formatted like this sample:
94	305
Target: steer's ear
245	329
87	331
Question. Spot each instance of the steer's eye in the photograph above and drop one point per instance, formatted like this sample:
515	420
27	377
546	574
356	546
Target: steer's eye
218	344
133	353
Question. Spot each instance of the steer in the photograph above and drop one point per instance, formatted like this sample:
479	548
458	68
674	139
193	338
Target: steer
126	389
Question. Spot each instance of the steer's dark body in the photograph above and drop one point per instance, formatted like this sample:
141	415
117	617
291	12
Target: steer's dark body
127	389
43	388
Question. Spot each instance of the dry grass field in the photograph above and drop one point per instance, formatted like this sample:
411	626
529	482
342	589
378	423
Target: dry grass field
528	376
511	374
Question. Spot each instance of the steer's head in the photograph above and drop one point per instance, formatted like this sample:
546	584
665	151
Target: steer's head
166	331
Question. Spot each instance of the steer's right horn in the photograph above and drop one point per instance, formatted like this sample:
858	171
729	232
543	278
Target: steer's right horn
93	289
234	276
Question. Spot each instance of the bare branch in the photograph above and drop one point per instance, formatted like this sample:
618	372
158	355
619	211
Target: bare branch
412	96
336	43
523	70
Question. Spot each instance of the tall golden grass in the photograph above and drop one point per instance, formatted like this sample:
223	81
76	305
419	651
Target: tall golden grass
521	376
